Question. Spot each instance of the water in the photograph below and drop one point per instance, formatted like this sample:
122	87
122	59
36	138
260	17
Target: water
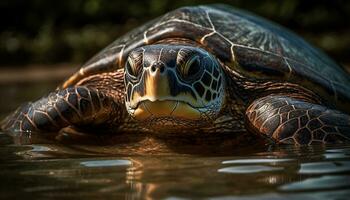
41	167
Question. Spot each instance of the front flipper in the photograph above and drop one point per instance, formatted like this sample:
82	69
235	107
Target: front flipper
77	106
289	120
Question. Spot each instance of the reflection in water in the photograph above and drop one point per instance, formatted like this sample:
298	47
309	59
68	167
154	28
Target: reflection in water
329	195
248	169
51	169
38	148
324	167
254	161
336	155
105	163
342	150
319	183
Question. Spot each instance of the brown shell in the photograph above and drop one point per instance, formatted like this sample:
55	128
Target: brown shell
262	49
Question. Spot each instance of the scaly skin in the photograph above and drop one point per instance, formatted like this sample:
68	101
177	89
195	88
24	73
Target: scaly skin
78	106
87	104
290	120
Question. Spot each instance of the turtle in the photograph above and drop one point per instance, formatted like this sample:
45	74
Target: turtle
206	69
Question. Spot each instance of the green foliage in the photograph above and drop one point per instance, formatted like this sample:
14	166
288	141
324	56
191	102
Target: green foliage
38	31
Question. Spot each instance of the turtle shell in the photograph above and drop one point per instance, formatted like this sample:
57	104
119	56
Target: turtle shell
262	49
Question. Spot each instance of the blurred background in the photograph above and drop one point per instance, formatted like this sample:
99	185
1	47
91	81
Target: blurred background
50	32
61	35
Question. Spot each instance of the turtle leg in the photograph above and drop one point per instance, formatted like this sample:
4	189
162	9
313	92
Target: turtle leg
74	106
289	120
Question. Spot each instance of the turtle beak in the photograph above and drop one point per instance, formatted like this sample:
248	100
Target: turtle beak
156	99
154	85
156	82
166	108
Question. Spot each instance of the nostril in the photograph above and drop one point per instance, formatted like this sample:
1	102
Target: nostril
194	68
153	68
161	69
158	66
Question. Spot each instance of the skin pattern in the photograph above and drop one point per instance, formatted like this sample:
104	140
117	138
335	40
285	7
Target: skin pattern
201	70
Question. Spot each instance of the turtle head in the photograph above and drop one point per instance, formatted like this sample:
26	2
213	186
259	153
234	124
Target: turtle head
173	86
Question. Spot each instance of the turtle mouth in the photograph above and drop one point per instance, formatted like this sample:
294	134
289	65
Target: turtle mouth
148	109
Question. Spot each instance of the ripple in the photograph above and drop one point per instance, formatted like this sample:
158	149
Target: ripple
255	161
106	163
45	188
37	148
336	155
338	150
324	167
246	169
328	195
175	198
324	182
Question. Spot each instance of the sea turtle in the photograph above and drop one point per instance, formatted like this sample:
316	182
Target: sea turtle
202	69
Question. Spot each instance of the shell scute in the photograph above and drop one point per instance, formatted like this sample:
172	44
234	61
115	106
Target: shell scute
248	43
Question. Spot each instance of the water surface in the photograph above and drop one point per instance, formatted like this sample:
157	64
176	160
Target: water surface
40	167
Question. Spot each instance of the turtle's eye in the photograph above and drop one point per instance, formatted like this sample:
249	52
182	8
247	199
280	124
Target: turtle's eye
191	68
131	68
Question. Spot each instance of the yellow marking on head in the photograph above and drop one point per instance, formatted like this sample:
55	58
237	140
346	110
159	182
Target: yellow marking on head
166	108
156	86
135	97
184	110
141	112
71	81
160	108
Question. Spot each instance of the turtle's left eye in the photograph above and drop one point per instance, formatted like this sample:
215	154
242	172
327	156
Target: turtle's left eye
130	68
191	68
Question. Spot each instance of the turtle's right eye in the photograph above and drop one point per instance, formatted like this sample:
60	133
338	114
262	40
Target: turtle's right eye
131	68
191	68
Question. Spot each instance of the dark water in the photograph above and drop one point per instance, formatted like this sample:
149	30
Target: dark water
37	167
